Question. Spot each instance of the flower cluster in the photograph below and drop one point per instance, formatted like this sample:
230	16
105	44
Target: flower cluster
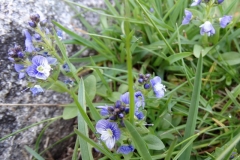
110	133
207	27
34	62
155	83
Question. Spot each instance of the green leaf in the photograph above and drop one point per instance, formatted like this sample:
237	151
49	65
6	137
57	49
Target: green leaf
86	151
70	111
114	96
33	153
232	58
138	141
74	35
90	86
178	56
193	110
197	50
229	146
153	142
123	88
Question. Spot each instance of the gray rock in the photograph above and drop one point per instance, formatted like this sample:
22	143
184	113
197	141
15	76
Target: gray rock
14	17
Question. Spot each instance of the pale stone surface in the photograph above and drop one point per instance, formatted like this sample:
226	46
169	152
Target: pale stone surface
14	17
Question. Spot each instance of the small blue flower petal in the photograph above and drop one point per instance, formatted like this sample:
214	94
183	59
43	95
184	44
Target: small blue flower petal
158	88
187	18
225	20
196	2
207	28
109	131
20	69
138	99
51	60
125	149
28	42
104	110
59	34
36	90
220	1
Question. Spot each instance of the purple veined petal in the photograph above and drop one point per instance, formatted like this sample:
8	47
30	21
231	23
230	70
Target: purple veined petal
125	149
39	60
51	60
110	142
32	70
220	1
109	132
101	125
42	76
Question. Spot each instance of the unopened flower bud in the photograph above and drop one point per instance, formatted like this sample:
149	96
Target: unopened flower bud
140	80
118	104
147	86
35	17
32	24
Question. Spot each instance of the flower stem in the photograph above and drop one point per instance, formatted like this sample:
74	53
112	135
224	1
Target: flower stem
129	61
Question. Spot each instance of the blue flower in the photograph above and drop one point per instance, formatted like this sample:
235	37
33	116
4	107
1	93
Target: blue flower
20	69
158	88
28	42
196	2
187	18
109	131
225	20
40	68
220	1
125	149
36	90
138	99
207	28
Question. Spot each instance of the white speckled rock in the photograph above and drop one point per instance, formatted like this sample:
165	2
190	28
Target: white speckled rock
14	17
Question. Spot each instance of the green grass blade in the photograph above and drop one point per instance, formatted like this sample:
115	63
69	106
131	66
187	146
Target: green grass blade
75	151
95	145
179	56
171	149
193	110
82	125
138	141
230	145
33	153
